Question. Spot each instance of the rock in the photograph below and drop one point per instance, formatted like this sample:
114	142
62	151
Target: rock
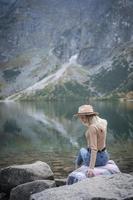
18	174
60	182
116	186
3	196
23	191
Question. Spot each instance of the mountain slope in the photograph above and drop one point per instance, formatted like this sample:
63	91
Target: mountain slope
39	39
69	74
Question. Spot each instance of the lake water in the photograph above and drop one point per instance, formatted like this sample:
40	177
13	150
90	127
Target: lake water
31	131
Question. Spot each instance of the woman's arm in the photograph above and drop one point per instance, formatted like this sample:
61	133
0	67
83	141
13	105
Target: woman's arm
93	159
93	146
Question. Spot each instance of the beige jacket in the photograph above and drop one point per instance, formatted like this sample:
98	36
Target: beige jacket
96	138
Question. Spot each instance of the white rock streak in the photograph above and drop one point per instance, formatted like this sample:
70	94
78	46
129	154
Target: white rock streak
53	78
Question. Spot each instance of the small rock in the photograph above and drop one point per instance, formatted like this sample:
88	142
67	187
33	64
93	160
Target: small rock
15	175
60	182
23	191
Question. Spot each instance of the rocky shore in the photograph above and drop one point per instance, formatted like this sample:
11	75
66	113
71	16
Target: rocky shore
36	182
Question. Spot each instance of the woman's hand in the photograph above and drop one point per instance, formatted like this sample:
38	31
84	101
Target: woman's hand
90	172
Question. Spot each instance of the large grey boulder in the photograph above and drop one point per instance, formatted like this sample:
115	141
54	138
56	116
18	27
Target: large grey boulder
23	191
116	186
15	175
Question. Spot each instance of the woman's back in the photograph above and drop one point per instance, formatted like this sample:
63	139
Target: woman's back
100	126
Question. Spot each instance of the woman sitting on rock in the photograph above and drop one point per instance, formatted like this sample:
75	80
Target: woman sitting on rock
95	154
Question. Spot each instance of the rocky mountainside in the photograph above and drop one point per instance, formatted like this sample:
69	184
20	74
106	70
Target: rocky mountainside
57	49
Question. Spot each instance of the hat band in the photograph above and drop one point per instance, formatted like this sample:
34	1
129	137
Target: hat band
87	113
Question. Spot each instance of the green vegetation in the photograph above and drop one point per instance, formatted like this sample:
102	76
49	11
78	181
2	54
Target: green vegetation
1	98
19	61
67	90
1	85
108	81
70	90
10	74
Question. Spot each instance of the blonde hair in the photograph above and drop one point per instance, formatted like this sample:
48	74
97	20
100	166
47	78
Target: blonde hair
96	120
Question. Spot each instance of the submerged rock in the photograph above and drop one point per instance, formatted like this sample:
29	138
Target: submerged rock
116	186
23	191
15	175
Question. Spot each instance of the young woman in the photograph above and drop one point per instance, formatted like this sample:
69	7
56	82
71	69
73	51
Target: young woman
95	154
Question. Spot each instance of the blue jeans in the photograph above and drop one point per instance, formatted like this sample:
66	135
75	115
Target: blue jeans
84	154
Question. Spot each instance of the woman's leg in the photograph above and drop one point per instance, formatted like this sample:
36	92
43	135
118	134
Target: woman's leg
83	157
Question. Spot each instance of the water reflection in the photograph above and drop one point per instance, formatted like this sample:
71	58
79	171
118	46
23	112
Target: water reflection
47	131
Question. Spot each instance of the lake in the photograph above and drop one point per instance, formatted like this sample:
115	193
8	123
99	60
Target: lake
47	131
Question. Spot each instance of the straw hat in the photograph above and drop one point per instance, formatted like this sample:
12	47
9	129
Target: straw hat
86	110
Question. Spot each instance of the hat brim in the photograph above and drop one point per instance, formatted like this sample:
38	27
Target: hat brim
87	113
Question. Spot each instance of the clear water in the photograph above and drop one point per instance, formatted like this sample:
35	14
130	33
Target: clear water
31	131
